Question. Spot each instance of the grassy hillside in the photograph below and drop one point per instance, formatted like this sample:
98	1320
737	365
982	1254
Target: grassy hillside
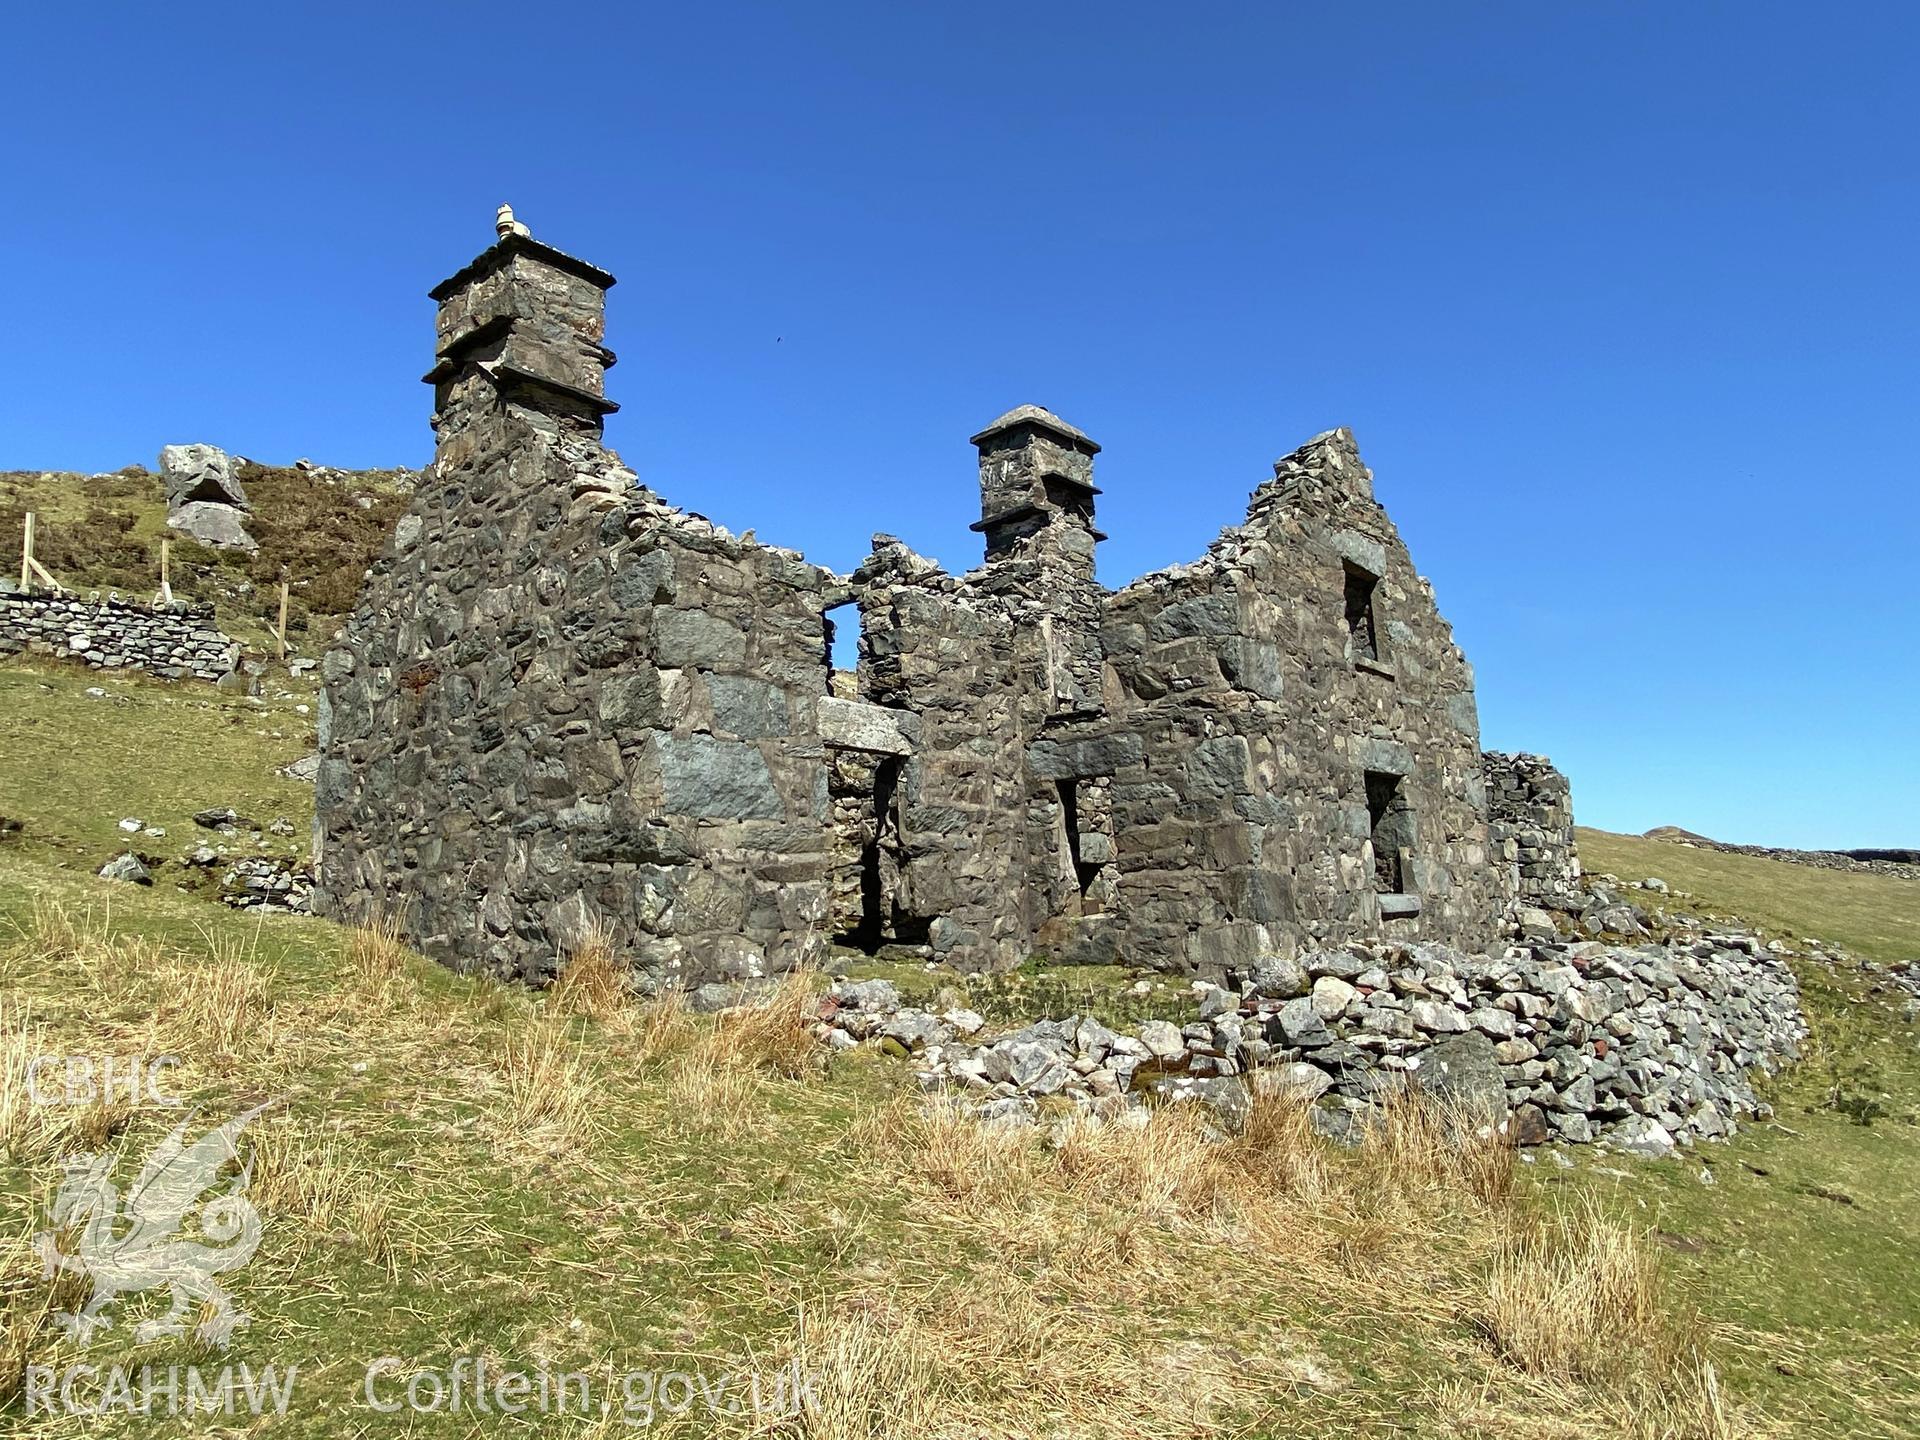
573	1182
1873	915
1809	1236
74	764
320	527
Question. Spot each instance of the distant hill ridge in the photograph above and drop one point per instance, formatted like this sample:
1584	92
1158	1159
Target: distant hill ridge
1904	864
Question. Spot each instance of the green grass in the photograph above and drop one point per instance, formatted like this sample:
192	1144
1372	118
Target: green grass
74	764
1807	1242
1877	916
1037	988
647	1198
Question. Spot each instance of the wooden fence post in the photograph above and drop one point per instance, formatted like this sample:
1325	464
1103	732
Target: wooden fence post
30	567
166	580
280	631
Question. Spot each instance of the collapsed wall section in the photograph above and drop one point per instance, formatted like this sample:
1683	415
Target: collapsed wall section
1530	815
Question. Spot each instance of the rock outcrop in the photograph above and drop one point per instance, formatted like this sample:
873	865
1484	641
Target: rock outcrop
204	500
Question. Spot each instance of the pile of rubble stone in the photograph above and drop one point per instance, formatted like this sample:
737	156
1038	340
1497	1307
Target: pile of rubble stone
251	881
257	882
1906	978
1644	1047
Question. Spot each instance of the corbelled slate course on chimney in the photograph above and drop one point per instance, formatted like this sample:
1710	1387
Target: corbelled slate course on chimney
564	708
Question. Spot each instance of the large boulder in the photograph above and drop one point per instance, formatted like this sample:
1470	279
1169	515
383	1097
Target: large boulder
213	524
1640	1135
199	473
1462	1072
1278	977
1226	1097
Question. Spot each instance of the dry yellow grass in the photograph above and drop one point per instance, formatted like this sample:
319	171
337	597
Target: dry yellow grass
215	1005
1420	1222
43	1127
592	981
1577	1296
993	1360
715	1068
774	1032
552	1092
378	957
28	1302
330	1188
1145	1278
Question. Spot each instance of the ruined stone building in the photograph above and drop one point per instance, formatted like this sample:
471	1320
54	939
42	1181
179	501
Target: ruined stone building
565	706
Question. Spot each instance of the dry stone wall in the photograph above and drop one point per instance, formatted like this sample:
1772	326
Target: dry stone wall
1646	1047
1895	863
174	642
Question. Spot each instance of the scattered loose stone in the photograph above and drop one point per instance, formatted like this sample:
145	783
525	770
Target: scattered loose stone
128	869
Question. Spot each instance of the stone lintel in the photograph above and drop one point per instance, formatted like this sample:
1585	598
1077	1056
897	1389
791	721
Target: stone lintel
1387	757
1084	757
857	725
1363	552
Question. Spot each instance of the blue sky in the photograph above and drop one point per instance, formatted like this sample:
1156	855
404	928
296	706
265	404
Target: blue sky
1619	299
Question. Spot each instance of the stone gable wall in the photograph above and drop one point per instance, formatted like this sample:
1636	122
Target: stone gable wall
564	707
1244	829
174	642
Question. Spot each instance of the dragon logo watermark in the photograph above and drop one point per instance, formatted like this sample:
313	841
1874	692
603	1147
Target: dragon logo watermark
129	1245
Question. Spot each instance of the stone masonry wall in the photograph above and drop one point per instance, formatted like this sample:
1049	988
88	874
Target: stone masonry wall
175	642
931	648
1530	815
600	718
1244	826
1205	804
565	707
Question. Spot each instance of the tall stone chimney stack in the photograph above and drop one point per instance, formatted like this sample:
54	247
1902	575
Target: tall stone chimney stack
521	325
1036	477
